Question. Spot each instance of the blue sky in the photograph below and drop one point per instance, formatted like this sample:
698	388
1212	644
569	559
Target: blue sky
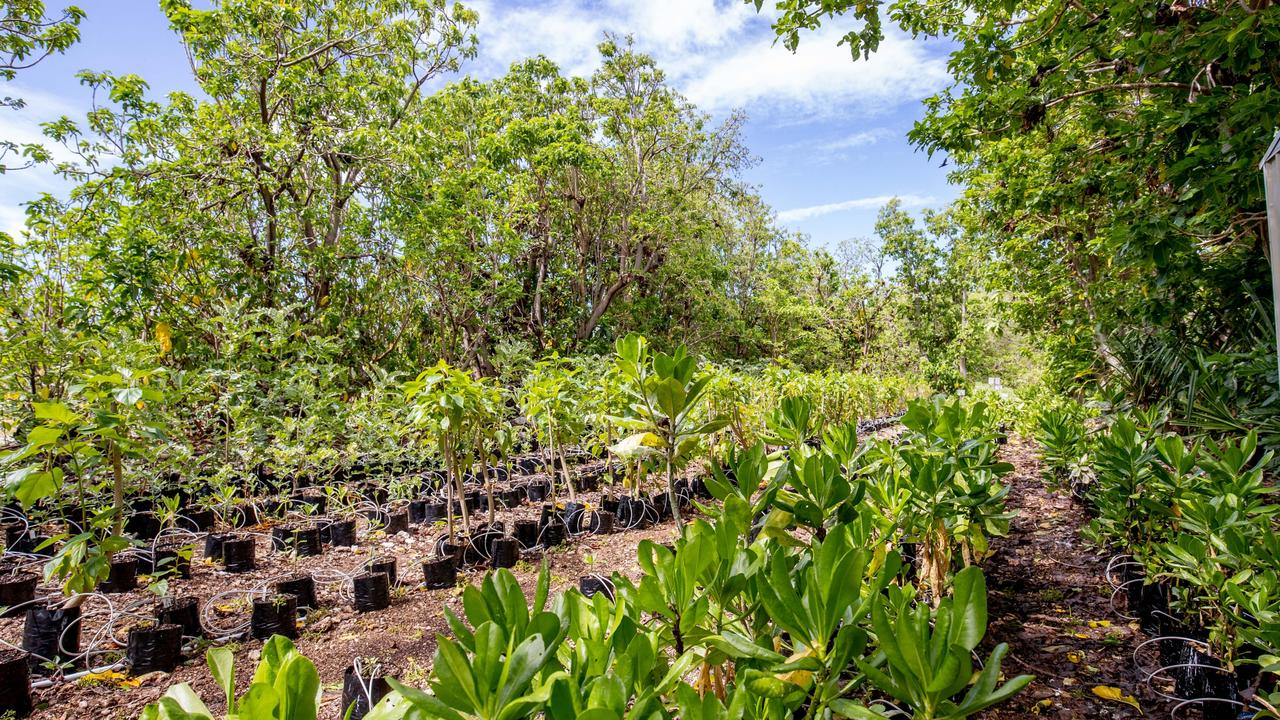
830	133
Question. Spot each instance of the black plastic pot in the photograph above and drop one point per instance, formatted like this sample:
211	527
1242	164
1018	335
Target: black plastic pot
1153	605
359	696
239	554
592	584
513	497
1208	680
372	591
609	504
306	541
280	536
341	533
504	552
275	615
302	539
375	494
434	511
635	513
386	565
15	683
51	633
122	577
17	591
553	533
418	511
441	572
684	493
171	560
213	545
526	532
35	545
538	490
573	516
454	550
661	504
302	587
196	519
244	515
472	553
183	612
1132	577
142	525
626	515
600	523
309	503
13	534
397	522
154	649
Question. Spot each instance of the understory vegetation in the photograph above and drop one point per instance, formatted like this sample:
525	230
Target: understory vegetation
347	296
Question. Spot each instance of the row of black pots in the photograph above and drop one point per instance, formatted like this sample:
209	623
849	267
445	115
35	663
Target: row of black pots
1183	650
169	558
143	523
237	552
146	525
51	633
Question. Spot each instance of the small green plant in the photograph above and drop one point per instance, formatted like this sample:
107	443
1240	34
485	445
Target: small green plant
925	657
285	686
666	395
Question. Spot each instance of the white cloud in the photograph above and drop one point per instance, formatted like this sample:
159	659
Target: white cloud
23	127
856	140
820	79
720	53
864	203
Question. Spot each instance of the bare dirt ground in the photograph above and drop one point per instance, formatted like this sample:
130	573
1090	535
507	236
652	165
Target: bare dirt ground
1049	600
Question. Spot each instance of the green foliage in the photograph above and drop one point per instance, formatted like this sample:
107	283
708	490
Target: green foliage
285	686
666	400
28	35
452	409
927	655
727	622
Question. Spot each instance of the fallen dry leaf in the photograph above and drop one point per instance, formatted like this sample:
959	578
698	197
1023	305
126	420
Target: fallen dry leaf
1115	694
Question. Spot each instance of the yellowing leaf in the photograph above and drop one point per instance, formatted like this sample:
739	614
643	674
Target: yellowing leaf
1115	694
1099	623
111	677
1042	705
164	335
1075	656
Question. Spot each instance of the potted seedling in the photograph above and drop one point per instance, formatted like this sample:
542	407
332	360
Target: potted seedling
551	402
109	424
666	395
339	528
446	403
274	614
